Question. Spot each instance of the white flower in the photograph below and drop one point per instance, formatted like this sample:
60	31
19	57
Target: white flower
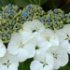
46	39
60	56
22	46
33	26
8	62
64	36
42	61
38	31
2	49
23	43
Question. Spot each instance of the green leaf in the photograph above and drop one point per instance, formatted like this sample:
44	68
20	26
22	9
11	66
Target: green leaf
65	68
23	3
39	2
25	65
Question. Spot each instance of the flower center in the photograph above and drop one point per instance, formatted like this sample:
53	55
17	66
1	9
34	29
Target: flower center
21	45
7	64
33	31
67	38
44	62
37	48
55	55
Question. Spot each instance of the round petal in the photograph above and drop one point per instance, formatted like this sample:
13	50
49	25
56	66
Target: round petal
35	65
33	26
2	49
14	44
65	44
45	58
8	62
3	67
60	56
25	36
42	43
64	36
13	66
22	49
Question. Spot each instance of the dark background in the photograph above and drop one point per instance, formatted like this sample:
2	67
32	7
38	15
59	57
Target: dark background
46	4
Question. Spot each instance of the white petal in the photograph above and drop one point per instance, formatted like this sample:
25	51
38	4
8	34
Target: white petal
42	43
50	60
61	61
64	36
2	49
20	49
8	60
33	25
14	43
40	55
47	68
62	33
3	67
36	65
45	57
28	51
30	48
22	55
26	36
13	66
60	56
66	45
54	40
67	28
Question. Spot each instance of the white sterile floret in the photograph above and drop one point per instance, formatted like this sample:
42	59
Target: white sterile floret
21	47
2	49
64	36
60	56
37	29
51	37
42	61
46	39
33	26
23	43
8	62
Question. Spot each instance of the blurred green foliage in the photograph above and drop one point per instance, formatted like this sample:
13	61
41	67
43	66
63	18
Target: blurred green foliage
46	4
63	4
22	3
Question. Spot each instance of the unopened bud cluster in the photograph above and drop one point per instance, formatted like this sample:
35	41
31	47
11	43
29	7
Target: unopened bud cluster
12	18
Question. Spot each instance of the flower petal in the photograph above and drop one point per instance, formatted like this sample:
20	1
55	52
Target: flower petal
2	49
